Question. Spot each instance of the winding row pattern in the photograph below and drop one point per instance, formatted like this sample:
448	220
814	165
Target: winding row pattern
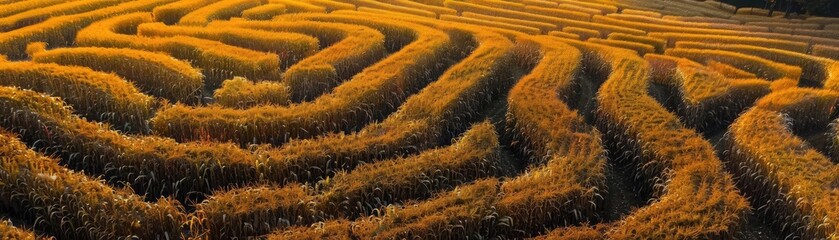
415	119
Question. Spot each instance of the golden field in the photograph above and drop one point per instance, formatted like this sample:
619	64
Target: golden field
416	119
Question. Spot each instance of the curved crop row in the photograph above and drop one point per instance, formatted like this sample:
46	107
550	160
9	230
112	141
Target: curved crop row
296	6
345	107
654	24
559	34
291	47
72	205
728	70
508	5
61	31
801	31
415	4
665	155
389	7
480	22
462	6
761	67
641	13
584	33
474	155
23	6
534	14
484	209
559	12
540	3
427	119
459	214
658	44
99	96
640	48
815	70
224	9
173	12
543	27
368	96
242	94
708	98
604	29
808	40
38	15
152	166
568	161
217	60
187	174
153	73
701	19
347	50
352	194
331	5
576	8
510	34
605	7
826	51
673	37
788	181
264	12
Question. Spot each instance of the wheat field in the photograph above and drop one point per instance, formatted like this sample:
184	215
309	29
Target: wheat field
416	119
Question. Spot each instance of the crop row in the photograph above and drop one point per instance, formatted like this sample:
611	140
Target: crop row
217	60
426	120
61	31
72	205
345	54
96	95
790	182
154	73
488	207
708	98
663	154
352	194
371	94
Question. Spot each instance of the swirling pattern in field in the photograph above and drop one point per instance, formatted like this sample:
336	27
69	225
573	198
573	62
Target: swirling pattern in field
420	119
